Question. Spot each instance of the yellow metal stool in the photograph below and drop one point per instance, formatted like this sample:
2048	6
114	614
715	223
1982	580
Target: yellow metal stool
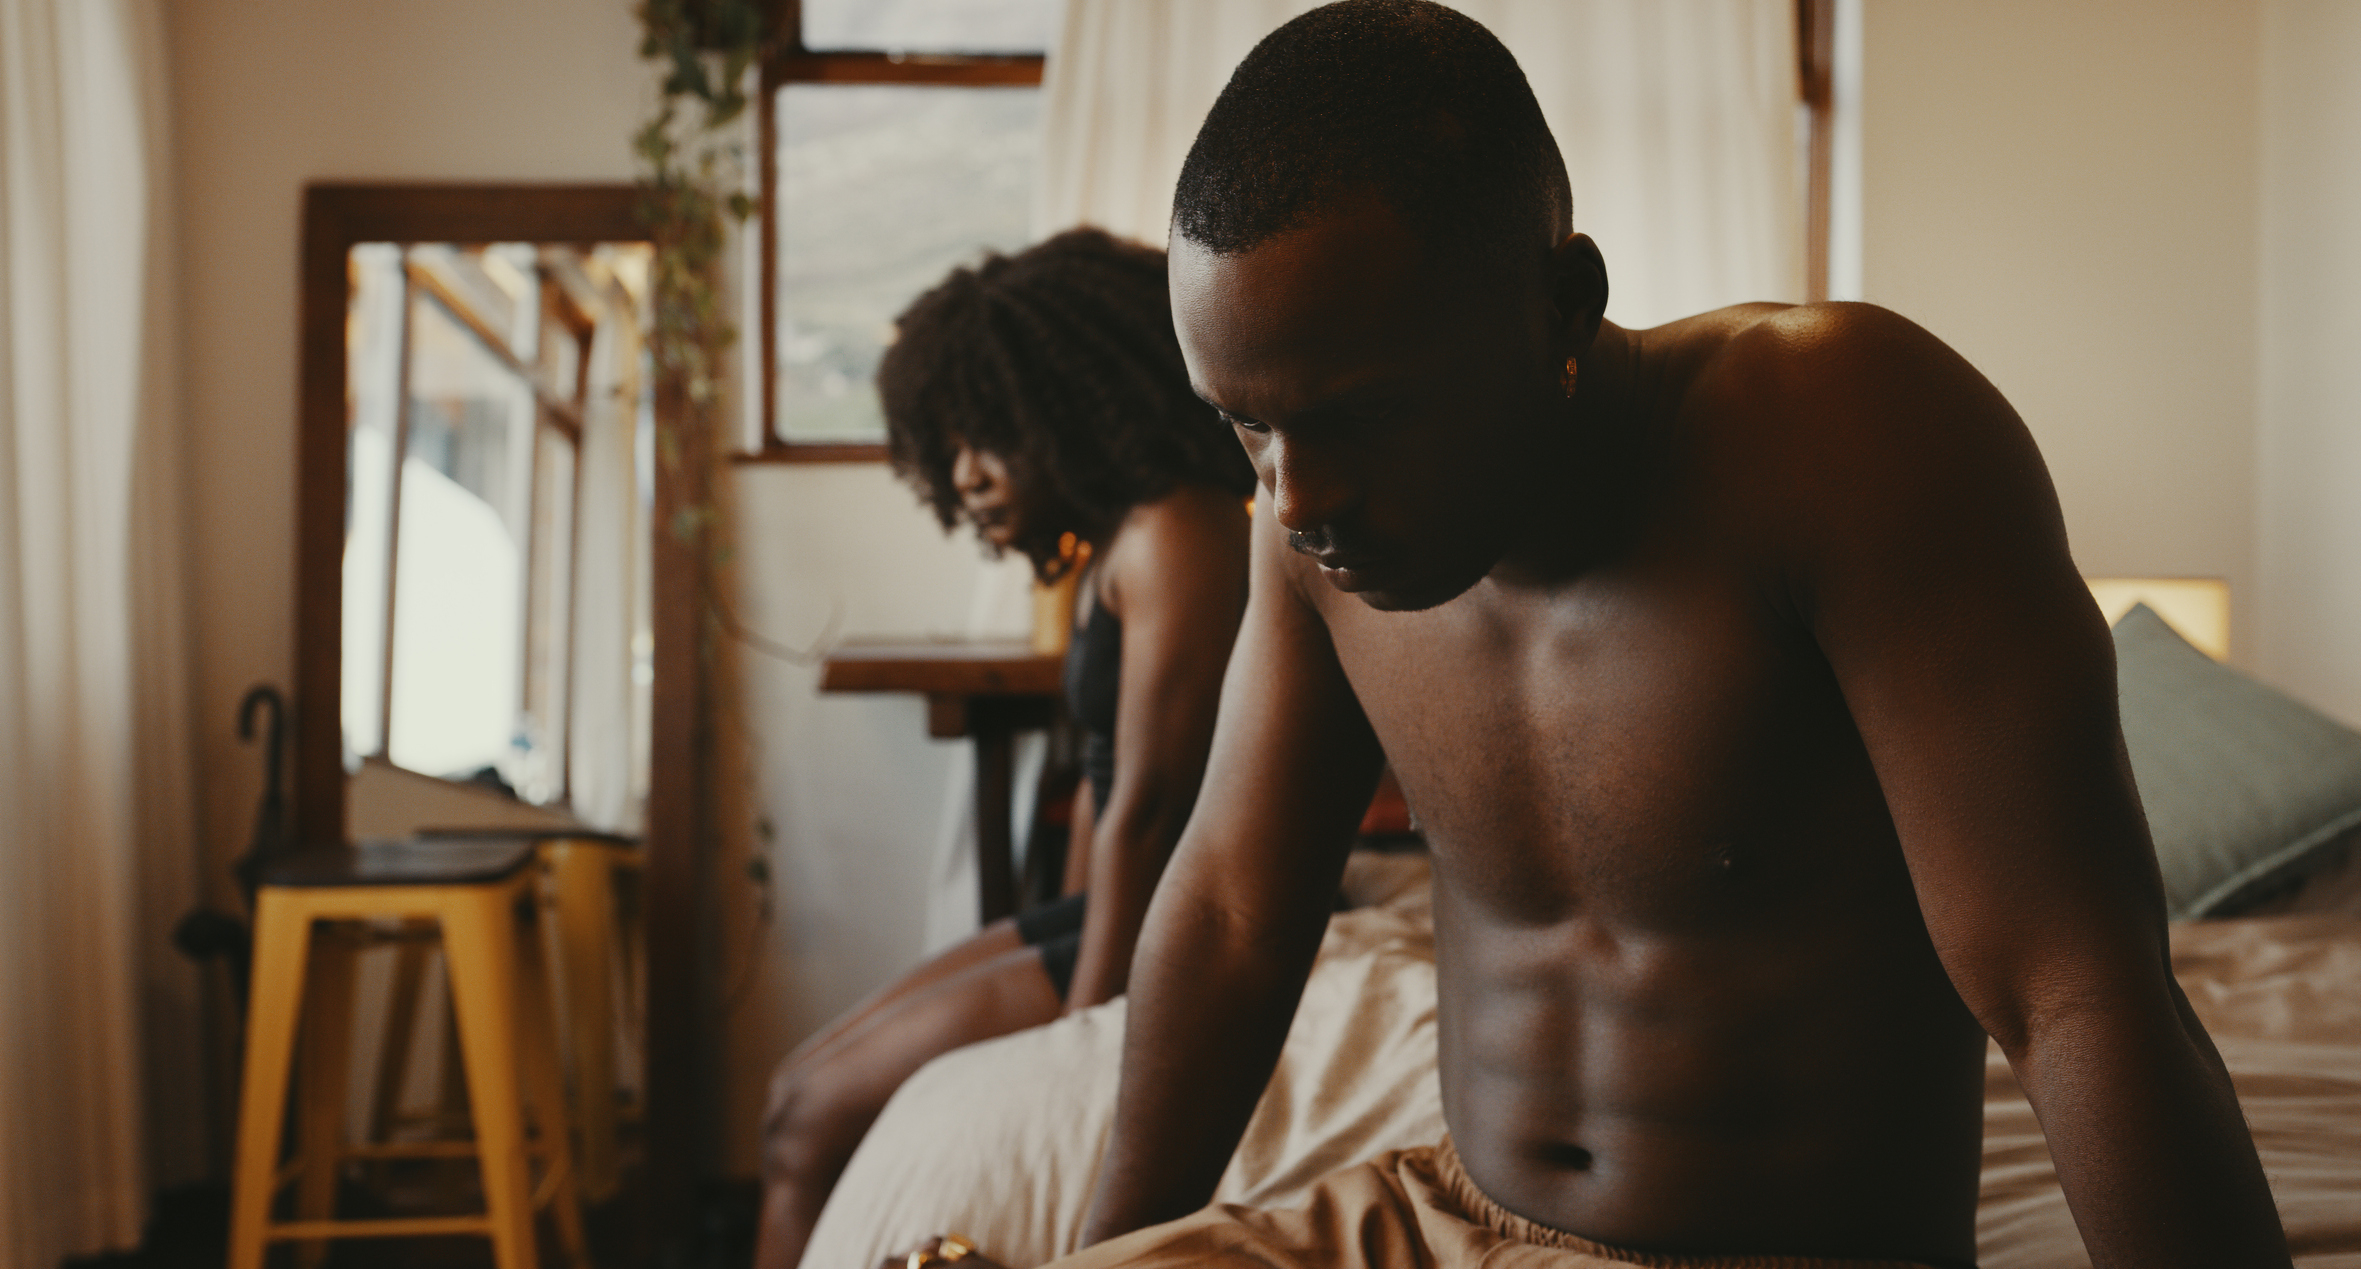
592	942
315	912
595	952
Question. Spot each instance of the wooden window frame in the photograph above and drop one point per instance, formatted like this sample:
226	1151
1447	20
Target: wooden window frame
793	63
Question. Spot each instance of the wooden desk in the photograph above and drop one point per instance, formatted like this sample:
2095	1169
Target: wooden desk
986	690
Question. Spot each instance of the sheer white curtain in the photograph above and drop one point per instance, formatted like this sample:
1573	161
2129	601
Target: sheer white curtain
95	854
1677	119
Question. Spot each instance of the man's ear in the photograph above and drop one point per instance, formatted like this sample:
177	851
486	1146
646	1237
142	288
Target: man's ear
1578	291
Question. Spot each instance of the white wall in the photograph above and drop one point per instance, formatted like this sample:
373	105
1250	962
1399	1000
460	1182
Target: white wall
2308	586
2065	193
868	863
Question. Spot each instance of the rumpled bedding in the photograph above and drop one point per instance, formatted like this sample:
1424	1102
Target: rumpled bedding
1000	1141
2282	999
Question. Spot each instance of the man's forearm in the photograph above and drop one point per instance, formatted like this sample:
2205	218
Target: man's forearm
1211	999
2151	1149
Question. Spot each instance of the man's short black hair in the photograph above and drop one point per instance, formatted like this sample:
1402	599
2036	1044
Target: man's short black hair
1402	98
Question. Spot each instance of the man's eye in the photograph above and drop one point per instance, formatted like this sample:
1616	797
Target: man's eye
1243	425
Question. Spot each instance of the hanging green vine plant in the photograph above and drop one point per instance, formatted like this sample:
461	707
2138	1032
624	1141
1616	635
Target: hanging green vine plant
692	189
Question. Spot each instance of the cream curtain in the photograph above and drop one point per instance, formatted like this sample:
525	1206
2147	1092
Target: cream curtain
1677	118
95	801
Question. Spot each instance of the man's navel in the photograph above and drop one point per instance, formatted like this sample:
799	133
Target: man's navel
1561	1154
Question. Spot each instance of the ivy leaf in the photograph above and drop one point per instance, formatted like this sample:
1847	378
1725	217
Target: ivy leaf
688	77
691	177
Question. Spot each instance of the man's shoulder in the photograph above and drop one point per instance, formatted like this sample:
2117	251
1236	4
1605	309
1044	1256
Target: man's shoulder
1814	383
1810	350
1808	420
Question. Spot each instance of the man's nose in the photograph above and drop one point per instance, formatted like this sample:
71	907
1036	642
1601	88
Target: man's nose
1310	488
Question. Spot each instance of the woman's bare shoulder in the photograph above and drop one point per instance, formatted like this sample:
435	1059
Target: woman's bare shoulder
1191	533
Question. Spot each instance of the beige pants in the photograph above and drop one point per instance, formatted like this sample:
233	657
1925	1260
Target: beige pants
1412	1209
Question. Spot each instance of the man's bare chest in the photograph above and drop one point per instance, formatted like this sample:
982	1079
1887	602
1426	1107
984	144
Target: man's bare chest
1655	753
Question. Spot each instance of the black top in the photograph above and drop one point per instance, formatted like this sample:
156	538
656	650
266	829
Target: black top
1094	674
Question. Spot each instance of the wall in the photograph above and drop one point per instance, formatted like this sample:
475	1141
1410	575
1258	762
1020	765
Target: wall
2065	193
2308	454
865	816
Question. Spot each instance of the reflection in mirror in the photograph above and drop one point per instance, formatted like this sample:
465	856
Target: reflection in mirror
455	707
494	404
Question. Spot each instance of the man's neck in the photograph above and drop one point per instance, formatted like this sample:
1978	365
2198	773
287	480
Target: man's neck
1607	395
1584	512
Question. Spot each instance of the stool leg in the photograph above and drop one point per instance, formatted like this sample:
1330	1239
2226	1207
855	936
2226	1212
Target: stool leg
588	935
480	951
327	1063
282	928
546	1072
401	1028
452	1116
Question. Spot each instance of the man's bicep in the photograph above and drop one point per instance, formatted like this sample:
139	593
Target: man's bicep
1981	677
1293	761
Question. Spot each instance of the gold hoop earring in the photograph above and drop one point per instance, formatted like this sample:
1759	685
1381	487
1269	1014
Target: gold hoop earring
1567	376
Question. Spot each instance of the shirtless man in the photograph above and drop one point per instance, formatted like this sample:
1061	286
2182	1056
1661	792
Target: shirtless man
1762	731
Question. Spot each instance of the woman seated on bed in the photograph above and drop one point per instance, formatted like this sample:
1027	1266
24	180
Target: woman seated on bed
1041	397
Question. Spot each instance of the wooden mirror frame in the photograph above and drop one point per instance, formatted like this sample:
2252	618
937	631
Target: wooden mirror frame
337	217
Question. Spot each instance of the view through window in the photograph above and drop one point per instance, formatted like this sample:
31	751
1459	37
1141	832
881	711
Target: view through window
901	141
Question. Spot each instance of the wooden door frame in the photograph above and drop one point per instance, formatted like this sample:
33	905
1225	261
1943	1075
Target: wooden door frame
337	217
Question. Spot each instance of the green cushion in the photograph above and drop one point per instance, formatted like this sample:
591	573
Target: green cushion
2246	789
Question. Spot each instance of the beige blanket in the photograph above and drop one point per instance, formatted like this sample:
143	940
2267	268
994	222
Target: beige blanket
2282	998
1000	1141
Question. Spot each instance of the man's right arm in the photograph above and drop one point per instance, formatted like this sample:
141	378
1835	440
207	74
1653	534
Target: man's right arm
1237	918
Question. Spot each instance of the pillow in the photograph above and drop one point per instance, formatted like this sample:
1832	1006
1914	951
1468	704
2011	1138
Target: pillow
2246	789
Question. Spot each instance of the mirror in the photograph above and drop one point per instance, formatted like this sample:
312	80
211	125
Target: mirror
491	513
454	410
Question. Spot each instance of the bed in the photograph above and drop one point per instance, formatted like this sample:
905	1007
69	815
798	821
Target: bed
1000	1141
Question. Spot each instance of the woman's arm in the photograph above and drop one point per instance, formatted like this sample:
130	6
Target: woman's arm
1175	575
1078	838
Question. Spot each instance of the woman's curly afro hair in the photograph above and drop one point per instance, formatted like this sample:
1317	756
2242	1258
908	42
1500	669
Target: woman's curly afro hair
1061	361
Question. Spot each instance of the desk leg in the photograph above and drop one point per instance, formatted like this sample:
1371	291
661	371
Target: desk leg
996	893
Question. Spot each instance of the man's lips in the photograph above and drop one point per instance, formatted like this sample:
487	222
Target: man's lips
1353	571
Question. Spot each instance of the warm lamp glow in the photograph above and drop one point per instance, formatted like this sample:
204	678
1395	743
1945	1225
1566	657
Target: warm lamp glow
2198	608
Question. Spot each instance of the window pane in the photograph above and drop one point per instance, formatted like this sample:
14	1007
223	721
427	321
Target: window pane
882	188
932	26
459	560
